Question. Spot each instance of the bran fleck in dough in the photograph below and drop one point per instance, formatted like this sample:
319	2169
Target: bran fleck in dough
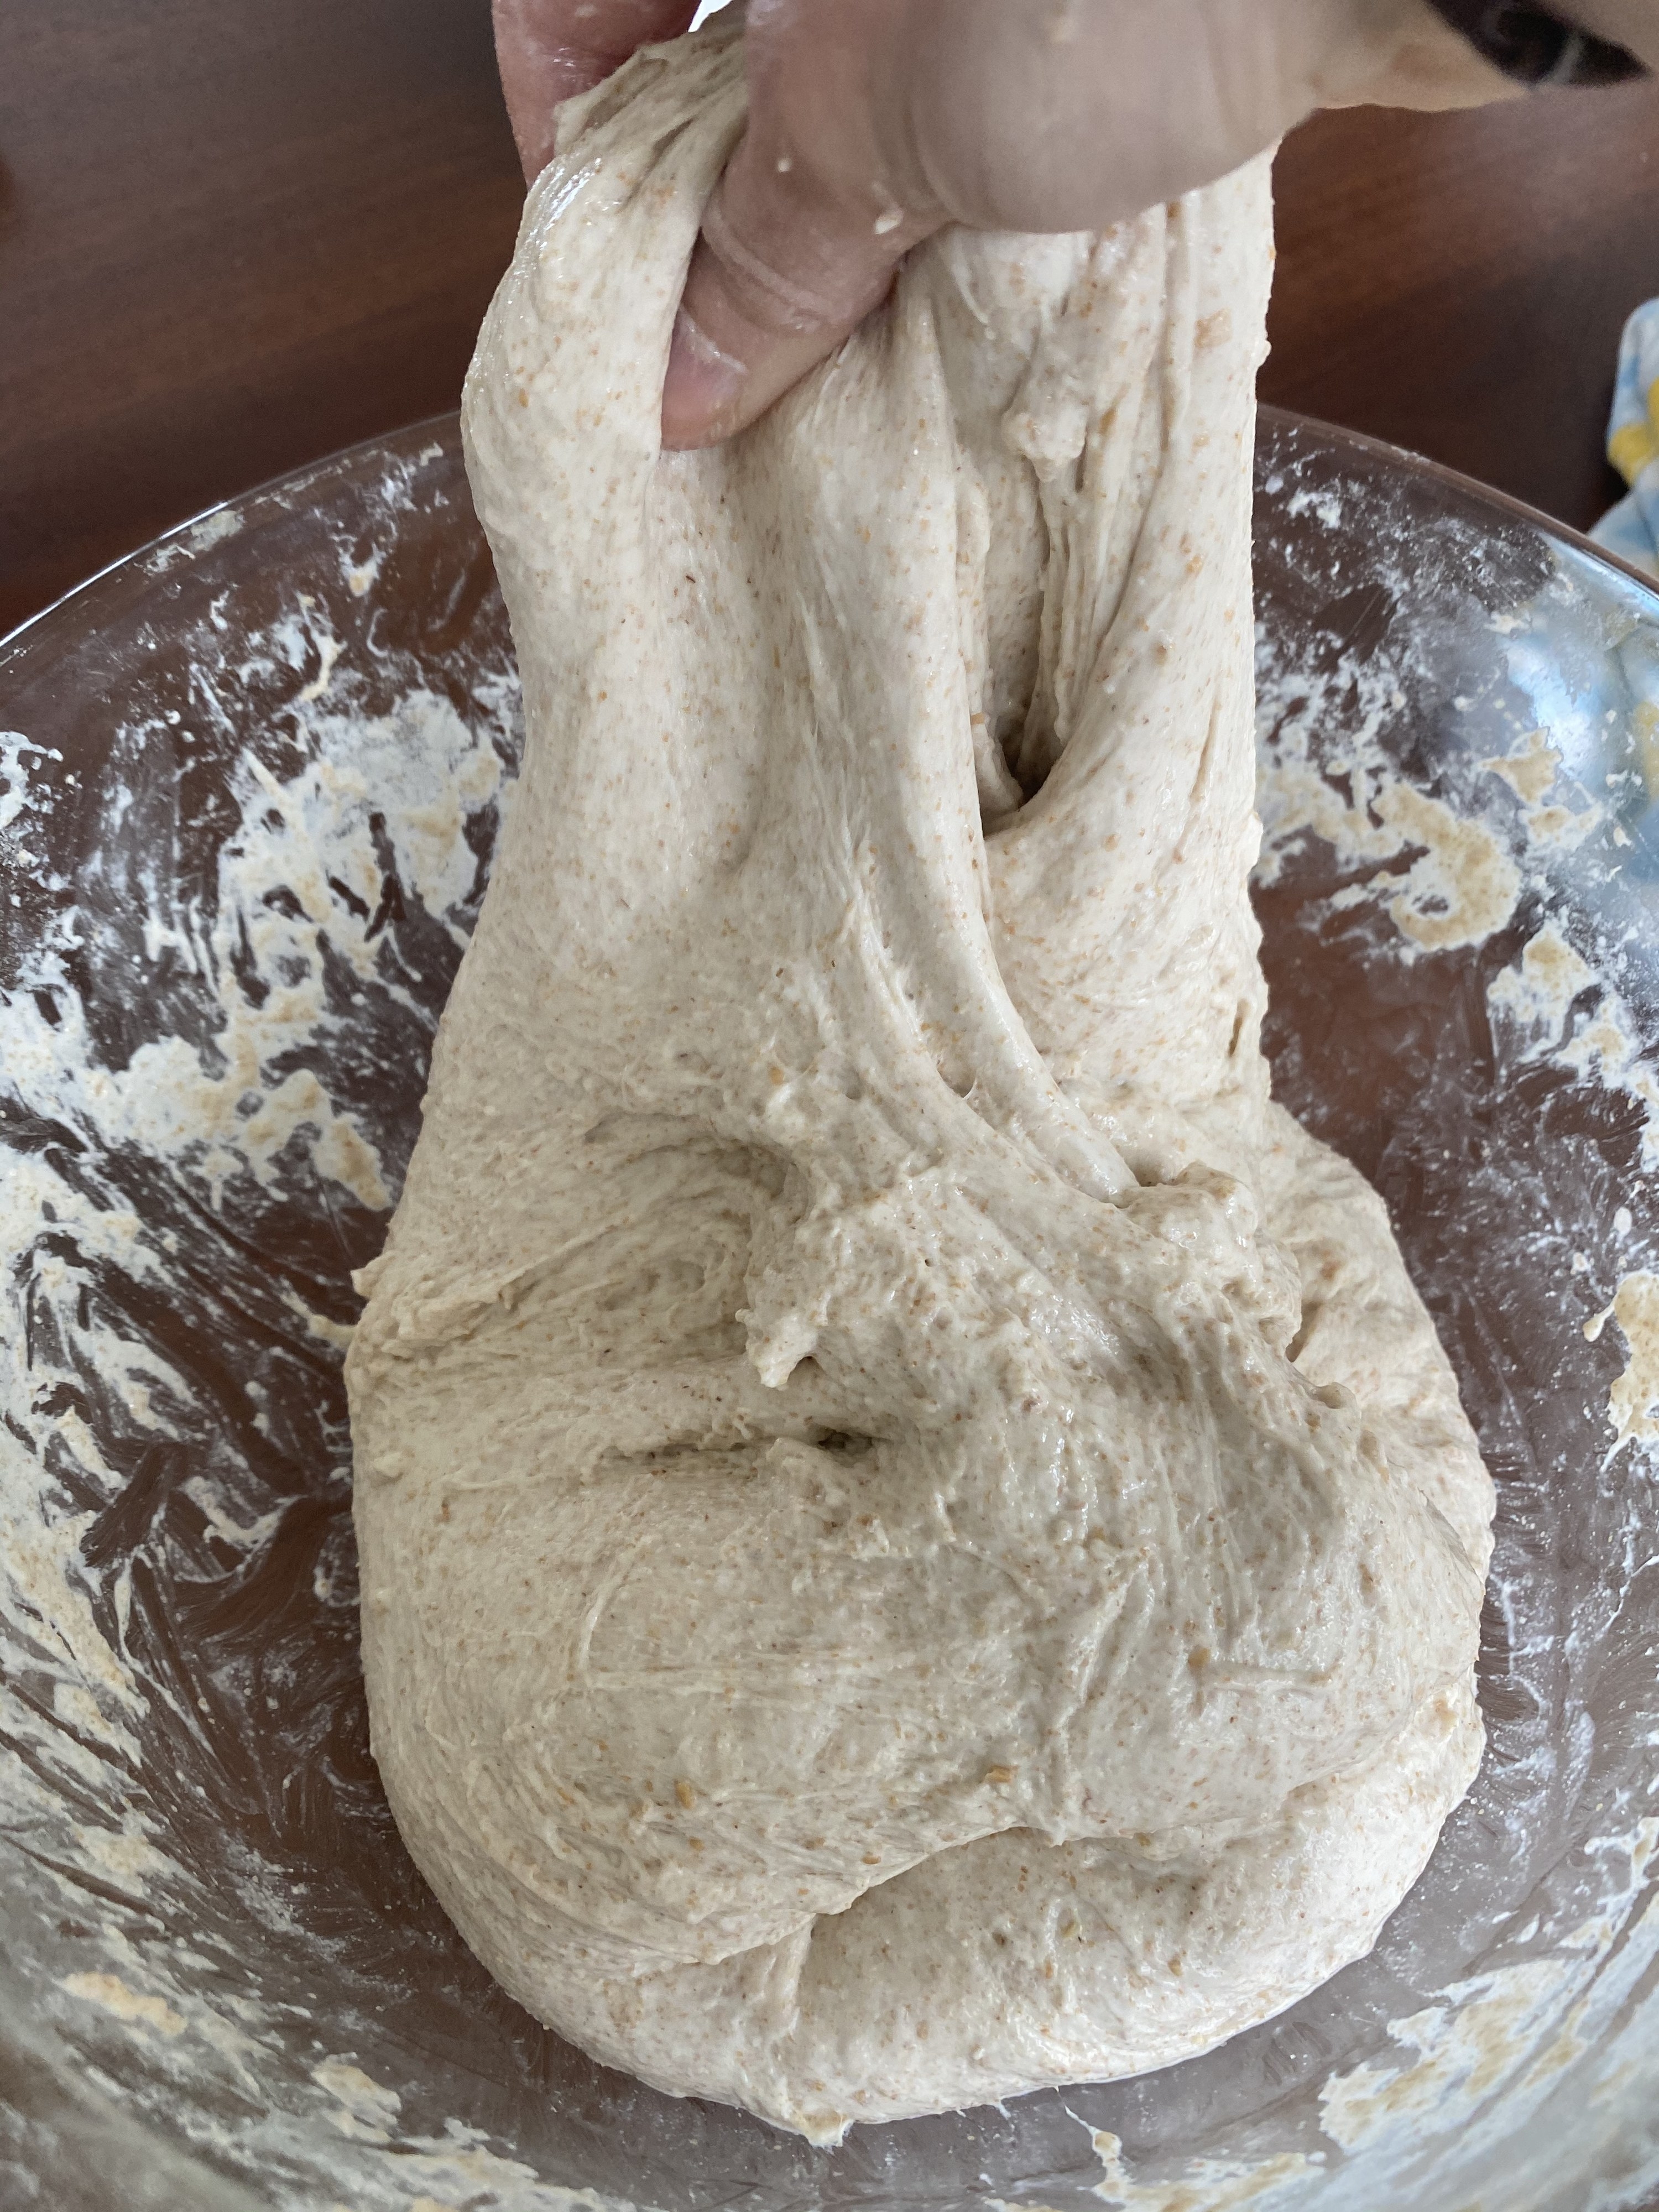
917	1541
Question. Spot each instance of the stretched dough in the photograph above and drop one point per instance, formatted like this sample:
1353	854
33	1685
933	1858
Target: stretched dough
917	1541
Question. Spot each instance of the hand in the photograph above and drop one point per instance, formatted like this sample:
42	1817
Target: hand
873	123
548	50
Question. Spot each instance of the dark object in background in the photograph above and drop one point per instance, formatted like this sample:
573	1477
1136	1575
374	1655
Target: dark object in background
1536	45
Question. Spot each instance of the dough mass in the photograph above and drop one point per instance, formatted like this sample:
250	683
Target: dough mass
917	1541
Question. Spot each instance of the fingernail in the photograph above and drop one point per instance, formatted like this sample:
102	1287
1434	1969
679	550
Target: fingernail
703	383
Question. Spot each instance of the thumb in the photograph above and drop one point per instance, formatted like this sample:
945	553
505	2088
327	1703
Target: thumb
818	204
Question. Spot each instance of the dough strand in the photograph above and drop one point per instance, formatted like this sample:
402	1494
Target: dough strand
917	1541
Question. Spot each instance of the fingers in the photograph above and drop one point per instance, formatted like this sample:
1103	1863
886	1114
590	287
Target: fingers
874	122
812	217
548	50
817	208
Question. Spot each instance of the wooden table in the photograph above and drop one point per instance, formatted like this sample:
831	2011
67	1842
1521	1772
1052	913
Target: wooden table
234	237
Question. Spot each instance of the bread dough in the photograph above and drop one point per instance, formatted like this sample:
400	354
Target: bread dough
917	1541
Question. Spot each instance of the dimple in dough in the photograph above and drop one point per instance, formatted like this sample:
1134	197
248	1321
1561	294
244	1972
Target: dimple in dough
917	1541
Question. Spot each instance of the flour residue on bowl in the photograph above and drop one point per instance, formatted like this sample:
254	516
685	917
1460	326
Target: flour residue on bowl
241	928
109	1991
1502	917
1633	1401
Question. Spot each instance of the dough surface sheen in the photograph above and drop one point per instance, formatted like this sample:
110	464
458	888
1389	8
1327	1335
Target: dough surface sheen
917	1541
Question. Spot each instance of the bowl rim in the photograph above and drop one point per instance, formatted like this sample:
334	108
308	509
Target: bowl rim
31	631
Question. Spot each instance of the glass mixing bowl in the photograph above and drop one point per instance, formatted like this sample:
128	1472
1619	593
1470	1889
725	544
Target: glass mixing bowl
250	781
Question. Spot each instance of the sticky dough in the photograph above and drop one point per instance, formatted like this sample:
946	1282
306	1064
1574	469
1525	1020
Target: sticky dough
917	1541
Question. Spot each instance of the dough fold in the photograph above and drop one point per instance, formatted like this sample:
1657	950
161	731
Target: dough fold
917	1541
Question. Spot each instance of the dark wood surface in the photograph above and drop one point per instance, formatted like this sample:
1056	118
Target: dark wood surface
235	236
1458	283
